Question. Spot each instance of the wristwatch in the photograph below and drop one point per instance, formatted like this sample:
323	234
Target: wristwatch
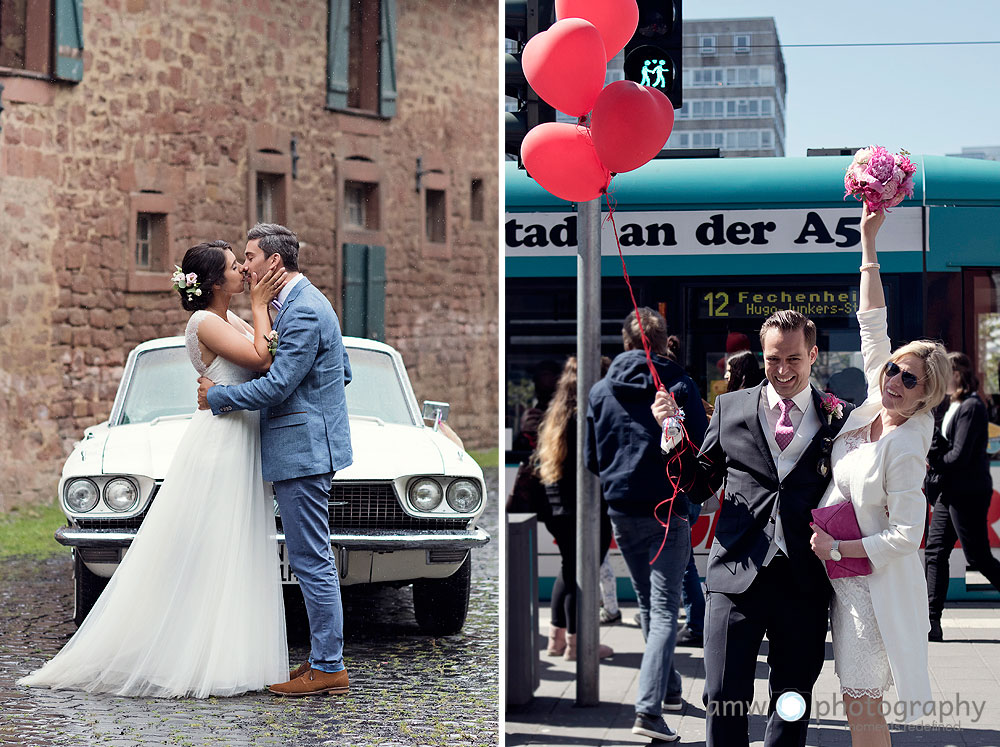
834	552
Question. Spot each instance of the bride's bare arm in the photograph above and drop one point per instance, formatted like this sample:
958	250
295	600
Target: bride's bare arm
221	338
872	295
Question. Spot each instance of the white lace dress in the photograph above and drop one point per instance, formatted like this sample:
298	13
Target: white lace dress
859	654
195	608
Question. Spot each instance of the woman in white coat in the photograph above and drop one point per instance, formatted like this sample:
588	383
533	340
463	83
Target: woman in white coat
879	621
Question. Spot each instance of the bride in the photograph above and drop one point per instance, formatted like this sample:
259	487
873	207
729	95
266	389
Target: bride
195	608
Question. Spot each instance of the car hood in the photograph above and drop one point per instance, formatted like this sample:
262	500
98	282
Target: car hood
381	451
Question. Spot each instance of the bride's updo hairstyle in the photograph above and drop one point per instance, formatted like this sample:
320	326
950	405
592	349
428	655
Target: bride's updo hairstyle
208	262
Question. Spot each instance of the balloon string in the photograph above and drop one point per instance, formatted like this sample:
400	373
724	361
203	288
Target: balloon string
676	456
642	332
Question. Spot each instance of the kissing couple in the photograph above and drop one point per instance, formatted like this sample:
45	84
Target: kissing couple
195	609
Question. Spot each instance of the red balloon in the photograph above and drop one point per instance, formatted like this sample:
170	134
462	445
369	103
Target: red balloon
616	20
562	159
565	65
630	125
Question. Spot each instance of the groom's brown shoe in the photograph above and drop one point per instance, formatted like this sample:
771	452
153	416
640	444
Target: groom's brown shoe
313	682
300	670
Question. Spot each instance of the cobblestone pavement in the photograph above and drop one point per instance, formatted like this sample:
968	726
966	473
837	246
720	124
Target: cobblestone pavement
406	688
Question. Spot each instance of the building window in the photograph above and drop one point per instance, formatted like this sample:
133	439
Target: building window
766	139
765	107
361	64
435	216
707	44
150	241
269	175
271	198
741	43
149	251
361	205
28	29
476	200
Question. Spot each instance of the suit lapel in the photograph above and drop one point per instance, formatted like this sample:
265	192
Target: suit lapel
751	414
291	298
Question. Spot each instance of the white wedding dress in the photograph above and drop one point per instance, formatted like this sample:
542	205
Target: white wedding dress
195	608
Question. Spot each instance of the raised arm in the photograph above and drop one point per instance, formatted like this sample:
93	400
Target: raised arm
222	338
872	315
872	296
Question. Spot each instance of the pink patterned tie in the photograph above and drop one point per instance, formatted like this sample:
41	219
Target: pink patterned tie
784	431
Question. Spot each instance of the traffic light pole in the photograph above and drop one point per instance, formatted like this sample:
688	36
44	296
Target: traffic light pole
588	357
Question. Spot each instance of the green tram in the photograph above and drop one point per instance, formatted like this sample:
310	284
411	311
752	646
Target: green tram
718	244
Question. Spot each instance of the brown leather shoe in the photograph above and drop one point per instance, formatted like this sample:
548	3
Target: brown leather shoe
300	670
313	682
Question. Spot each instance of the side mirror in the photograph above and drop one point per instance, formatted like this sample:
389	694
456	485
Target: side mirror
436	412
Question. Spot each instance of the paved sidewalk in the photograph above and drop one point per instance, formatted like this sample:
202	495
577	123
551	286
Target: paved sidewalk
965	673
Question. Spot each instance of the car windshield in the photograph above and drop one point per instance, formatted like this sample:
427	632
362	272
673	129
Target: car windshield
163	384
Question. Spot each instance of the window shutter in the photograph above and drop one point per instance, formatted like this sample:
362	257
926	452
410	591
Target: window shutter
338	50
353	321
375	287
69	39
387	60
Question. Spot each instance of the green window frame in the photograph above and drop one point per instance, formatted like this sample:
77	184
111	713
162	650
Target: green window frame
338	58
364	291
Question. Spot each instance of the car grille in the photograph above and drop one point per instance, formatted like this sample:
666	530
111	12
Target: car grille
113	522
353	506
373	505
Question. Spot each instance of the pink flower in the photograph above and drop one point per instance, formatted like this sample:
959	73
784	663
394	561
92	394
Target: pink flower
879	178
880	164
191	278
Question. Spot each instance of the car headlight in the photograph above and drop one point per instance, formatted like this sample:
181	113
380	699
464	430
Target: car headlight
464	496
120	494
425	494
82	495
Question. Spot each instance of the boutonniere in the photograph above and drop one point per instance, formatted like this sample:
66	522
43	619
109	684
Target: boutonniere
833	407
272	341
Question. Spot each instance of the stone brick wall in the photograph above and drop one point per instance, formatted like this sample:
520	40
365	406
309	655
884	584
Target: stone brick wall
175	97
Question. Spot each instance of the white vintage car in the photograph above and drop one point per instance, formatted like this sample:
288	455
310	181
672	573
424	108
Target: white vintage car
405	511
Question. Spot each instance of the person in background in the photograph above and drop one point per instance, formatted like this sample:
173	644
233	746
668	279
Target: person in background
960	470
743	371
556	468
622	448
545	376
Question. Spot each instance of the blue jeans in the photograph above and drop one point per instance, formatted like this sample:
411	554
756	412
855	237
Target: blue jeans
658	589
694	597
304	503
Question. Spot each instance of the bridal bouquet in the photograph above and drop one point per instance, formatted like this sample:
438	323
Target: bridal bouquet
880	178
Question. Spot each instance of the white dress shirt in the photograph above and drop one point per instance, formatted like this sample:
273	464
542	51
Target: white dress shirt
283	293
805	422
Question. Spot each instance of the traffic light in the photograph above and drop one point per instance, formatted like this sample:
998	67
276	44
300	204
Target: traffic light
522	20
655	54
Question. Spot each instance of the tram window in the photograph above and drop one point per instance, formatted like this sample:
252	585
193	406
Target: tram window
985	337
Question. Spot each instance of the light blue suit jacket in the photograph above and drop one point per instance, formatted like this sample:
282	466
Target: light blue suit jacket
304	428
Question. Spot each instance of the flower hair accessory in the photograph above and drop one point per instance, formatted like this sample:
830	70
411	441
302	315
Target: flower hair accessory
880	178
187	283
833	407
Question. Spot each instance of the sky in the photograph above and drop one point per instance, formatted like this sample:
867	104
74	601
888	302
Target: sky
928	100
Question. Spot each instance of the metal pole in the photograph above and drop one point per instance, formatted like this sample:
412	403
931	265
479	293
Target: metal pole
588	504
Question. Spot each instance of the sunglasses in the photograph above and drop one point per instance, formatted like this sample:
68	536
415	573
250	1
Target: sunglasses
909	380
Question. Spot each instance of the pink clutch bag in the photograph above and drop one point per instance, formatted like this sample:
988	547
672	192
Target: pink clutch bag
840	523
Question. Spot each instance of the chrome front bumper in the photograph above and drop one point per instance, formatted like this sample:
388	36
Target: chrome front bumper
371	541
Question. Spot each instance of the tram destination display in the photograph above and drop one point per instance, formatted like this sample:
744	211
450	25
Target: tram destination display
756	302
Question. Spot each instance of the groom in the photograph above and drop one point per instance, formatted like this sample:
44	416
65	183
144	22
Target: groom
305	439
770	447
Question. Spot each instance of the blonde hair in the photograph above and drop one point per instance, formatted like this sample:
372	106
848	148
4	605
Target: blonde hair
937	372
552	433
